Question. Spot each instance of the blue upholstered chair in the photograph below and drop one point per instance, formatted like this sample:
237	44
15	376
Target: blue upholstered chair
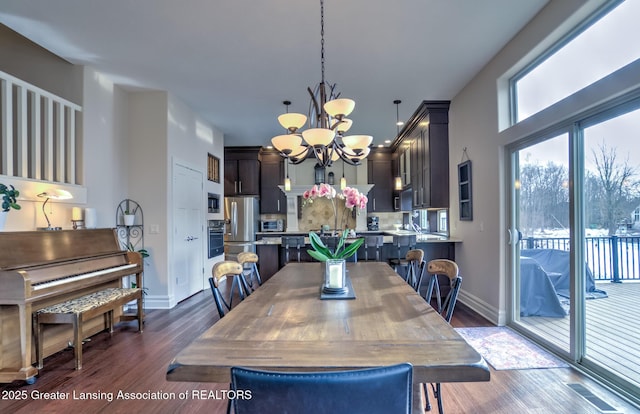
381	390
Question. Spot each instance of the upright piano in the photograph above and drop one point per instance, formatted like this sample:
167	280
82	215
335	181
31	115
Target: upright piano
41	268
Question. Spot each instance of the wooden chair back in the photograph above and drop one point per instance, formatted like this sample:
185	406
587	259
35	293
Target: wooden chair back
221	273
449	269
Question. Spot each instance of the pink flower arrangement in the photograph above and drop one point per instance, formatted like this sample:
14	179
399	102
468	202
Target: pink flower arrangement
322	190
351	196
354	198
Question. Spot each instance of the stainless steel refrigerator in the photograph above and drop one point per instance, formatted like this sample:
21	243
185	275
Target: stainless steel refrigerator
242	215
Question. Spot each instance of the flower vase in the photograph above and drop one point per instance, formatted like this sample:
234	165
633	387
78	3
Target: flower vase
335	277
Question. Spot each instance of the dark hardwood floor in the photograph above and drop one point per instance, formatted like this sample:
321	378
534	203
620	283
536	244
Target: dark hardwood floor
130	363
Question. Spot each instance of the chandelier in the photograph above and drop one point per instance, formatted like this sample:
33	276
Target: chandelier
327	124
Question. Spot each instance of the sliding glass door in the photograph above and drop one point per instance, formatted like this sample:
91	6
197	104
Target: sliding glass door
540	236
612	233
574	242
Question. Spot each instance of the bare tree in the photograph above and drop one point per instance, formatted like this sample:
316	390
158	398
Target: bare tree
616	182
544	197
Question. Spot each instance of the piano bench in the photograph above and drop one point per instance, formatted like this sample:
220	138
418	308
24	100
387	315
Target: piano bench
75	311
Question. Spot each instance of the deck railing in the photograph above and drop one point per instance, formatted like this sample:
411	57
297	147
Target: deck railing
614	258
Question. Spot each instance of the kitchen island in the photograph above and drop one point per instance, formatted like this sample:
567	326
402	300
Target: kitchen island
272	255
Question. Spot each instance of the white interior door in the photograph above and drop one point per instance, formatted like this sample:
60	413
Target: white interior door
188	232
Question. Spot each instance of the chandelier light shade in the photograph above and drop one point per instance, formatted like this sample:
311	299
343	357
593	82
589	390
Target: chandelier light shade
327	123
339	108
357	142
318	137
292	121
342	126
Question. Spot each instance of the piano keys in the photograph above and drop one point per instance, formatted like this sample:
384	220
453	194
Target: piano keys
41	268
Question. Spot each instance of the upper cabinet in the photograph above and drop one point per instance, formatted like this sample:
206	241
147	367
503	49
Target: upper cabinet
379	173
423	149
272	199
241	171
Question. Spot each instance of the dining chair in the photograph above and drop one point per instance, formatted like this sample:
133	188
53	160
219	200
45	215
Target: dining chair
449	269
401	243
220	275
415	265
375	242
380	390
250	273
292	242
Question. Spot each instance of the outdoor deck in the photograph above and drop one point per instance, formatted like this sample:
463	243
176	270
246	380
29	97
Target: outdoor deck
613	329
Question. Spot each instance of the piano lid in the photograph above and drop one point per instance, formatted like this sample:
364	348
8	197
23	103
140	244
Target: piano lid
30	248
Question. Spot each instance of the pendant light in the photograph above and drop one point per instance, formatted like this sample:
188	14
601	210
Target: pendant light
398	180
287	181
343	181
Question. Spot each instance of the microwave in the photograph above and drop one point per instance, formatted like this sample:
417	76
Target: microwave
213	203
272	225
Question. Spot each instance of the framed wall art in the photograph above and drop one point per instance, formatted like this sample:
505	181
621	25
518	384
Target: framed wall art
465	194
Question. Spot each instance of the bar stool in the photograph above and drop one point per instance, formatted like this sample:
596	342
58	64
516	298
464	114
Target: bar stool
400	243
330	241
375	242
220	273
292	242
250	273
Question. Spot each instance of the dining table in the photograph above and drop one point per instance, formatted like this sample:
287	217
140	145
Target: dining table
285	326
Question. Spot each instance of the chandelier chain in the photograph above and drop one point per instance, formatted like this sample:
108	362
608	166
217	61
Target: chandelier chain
327	123
322	39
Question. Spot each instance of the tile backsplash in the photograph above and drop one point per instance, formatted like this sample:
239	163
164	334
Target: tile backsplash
388	220
320	212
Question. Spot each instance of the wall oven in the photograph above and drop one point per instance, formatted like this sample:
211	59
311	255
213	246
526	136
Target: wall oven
216	238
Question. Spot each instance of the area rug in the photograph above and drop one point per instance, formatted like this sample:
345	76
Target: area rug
504	349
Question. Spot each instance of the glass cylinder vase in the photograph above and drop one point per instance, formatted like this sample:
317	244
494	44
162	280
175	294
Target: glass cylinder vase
335	276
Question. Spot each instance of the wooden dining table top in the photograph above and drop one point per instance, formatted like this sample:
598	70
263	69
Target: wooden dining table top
285	326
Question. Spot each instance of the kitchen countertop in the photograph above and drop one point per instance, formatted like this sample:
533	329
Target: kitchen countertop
388	236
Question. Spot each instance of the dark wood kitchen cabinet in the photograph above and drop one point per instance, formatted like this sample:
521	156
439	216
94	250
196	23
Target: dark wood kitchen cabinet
427	135
241	171
380	174
272	199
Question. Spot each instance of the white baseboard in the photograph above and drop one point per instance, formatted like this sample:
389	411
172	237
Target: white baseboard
159	302
483	308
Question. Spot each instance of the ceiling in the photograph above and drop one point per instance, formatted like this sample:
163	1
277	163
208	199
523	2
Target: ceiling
234	61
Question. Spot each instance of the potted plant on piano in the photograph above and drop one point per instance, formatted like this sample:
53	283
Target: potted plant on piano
9	201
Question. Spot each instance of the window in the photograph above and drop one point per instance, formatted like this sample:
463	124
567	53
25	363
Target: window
602	45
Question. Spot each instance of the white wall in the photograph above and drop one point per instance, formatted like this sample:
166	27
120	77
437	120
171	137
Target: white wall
104	153
148	176
190	140
477	121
